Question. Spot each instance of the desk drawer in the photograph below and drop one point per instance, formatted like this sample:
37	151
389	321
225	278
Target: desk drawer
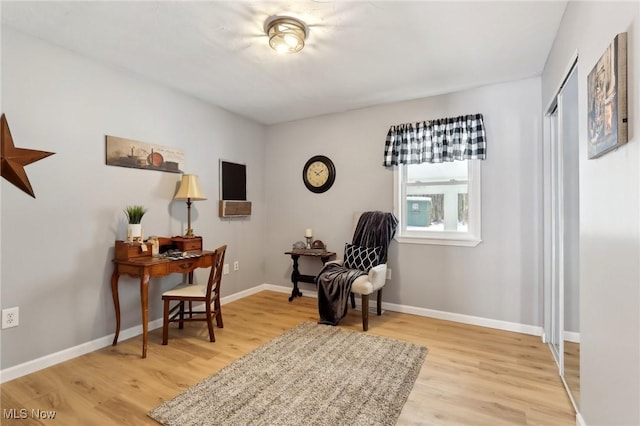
188	265
188	244
156	270
184	265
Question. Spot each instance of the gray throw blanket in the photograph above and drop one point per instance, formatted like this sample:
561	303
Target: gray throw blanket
374	229
334	285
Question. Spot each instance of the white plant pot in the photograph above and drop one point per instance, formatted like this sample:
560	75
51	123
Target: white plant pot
134	230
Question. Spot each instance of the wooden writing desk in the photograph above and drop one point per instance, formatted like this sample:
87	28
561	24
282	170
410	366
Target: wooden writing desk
149	267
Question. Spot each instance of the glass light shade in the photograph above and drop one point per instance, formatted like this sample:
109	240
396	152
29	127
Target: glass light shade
286	34
189	189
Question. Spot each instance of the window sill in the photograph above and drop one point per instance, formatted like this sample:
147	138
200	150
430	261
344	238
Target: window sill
462	242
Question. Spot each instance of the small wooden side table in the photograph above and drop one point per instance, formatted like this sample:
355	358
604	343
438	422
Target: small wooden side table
296	276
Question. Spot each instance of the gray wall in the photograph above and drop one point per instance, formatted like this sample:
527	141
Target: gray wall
609	216
57	248
499	279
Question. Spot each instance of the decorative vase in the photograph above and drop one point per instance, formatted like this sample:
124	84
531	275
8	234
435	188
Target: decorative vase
134	231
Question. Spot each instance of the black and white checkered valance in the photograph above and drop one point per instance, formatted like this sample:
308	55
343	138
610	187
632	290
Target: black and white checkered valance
435	141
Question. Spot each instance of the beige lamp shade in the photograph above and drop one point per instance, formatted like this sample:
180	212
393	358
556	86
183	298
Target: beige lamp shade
189	189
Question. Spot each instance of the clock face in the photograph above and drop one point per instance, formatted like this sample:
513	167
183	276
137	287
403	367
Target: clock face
318	174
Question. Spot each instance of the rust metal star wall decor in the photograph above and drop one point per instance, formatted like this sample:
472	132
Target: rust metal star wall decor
14	159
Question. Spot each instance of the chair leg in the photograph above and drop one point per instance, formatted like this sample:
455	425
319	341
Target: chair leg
181	323
379	302
218	313
165	323
353	301
212	336
365	312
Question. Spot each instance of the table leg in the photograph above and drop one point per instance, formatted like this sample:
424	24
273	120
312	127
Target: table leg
144	300
294	279
116	301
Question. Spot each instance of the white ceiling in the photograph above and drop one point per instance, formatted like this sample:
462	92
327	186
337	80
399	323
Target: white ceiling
358	53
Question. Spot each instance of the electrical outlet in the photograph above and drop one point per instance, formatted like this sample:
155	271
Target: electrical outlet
225	269
236	265
388	273
10	317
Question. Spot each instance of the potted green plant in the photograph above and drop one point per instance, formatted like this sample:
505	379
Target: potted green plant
134	217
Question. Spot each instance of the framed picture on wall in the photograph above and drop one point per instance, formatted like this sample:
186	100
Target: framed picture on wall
129	153
607	97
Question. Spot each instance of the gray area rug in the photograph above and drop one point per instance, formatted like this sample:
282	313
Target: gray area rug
310	375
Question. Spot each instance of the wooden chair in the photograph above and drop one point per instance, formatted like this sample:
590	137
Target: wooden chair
208	293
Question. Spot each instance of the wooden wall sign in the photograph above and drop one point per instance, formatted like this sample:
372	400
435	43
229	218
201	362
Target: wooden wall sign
14	159
140	155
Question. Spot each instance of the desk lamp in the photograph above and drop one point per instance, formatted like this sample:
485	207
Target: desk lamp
189	190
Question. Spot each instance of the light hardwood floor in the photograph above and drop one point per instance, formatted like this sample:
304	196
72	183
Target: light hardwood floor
471	376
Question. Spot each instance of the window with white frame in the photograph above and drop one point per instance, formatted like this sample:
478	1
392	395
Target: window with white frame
437	179
438	203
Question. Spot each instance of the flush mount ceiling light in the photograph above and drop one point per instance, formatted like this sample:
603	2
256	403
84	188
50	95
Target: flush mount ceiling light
286	34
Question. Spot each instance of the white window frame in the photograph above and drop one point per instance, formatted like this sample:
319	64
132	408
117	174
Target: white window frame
471	238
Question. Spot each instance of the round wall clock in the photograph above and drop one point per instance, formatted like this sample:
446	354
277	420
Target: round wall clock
318	174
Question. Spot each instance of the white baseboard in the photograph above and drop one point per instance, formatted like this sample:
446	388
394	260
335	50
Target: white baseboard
431	313
76	351
466	319
580	420
571	336
282	289
102	342
70	353
242	294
